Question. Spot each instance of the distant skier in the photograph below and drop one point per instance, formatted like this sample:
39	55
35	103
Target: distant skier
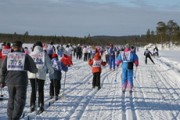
51	49
6	48
14	74
111	52
96	64
128	59
155	51
148	54
55	77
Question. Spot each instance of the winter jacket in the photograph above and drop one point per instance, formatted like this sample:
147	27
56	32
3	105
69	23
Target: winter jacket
57	66
50	49
127	56
17	77
147	53
96	63
67	60
43	63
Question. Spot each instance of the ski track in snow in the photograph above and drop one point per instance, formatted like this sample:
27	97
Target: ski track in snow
156	95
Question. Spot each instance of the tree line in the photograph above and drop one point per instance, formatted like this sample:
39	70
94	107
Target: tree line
165	33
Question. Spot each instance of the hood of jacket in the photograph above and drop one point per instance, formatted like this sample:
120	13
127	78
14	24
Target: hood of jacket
37	49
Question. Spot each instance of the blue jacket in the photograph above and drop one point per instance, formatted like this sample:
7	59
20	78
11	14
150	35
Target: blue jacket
57	66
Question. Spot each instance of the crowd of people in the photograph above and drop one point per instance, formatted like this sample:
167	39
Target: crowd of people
21	64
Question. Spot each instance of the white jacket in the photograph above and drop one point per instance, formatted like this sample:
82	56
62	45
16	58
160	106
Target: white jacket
47	65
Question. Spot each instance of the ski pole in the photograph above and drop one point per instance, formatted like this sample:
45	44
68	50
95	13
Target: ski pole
36	96
64	83
54	89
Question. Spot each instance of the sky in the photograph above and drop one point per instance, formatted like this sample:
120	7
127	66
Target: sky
83	17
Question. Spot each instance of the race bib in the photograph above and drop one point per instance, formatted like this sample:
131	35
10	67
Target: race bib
96	63
125	56
16	61
38	59
5	51
56	66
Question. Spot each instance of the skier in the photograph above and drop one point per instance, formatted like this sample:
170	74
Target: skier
96	63
51	49
66	59
155	51
148	54
111	52
16	78
78	52
128	59
55	78
85	53
43	63
6	48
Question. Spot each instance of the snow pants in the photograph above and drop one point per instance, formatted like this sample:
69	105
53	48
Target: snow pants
149	58
16	101
55	87
112	62
37	84
96	79
127	78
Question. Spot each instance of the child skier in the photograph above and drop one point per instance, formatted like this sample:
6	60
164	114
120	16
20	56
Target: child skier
96	63
55	78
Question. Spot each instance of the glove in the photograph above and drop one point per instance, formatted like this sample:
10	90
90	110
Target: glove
2	85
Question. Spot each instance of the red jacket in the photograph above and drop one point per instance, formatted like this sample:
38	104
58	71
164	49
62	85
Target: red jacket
96	63
66	60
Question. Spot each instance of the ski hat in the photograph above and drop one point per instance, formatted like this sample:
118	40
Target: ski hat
17	44
54	55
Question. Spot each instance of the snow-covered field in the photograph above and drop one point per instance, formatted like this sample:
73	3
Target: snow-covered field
156	94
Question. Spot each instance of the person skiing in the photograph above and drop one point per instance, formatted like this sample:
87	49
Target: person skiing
43	64
6	48
66	59
111	52
148	54
128	59
55	78
50	49
14	74
96	63
155	51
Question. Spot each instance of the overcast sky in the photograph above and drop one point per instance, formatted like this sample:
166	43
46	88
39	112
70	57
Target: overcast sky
82	17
